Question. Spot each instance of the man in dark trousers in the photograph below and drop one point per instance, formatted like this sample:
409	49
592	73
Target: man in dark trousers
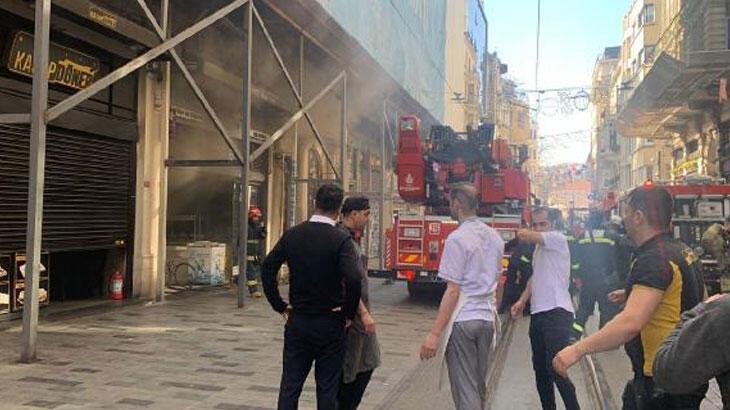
551	307
362	355
519	272
665	280
324	295
596	260
255	244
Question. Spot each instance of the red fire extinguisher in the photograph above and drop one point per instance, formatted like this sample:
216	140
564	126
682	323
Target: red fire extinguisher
117	286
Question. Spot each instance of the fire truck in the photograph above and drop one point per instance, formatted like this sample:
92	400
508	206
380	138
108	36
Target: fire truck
425	170
698	204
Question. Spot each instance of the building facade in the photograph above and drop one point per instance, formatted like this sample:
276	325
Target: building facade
677	95
139	172
465	58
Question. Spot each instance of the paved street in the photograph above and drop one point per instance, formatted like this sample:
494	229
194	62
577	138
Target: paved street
194	351
198	351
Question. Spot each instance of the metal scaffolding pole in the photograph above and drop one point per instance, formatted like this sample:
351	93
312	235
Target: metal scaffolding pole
293	87
245	147
381	238
343	136
293	120
295	158
14	118
162	33
41	41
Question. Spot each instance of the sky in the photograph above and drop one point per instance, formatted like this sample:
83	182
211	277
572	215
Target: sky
573	35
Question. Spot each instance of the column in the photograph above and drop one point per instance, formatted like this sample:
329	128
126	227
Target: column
151	190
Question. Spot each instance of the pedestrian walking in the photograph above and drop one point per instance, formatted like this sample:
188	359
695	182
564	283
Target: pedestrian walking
463	332
324	294
362	354
551	306
665	280
255	250
699	338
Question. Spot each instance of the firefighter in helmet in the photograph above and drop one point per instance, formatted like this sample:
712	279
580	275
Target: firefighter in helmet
596	260
255	250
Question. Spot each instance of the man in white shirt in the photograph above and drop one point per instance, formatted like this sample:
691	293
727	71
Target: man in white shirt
552	311
470	264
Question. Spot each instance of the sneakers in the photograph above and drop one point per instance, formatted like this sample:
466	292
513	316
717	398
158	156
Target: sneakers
257	294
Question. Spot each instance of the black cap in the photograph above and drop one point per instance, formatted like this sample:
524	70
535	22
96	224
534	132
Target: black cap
355	203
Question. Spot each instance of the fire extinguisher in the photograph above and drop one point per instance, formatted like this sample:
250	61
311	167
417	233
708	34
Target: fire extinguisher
117	286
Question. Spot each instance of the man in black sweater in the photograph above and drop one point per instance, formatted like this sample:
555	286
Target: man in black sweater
324	293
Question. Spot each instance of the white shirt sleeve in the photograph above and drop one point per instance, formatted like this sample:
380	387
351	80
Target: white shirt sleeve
453	260
555	241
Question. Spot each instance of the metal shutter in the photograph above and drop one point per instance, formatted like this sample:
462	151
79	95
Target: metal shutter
88	189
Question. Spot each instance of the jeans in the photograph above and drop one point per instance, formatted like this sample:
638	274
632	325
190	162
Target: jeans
550	332
318	339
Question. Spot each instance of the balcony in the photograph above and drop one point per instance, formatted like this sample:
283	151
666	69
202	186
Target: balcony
691	57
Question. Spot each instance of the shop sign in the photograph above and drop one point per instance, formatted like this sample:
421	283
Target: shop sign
686	168
103	17
66	67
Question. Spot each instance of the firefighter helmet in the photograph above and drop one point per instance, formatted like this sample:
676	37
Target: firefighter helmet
254	211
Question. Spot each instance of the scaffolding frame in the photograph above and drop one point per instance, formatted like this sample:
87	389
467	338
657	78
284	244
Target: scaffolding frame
41	115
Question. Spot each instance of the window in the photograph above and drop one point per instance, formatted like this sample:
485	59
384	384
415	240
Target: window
692	146
647	16
678	155
648	54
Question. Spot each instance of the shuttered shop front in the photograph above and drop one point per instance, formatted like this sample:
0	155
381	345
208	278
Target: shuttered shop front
88	201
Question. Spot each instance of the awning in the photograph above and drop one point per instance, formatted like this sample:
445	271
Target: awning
671	93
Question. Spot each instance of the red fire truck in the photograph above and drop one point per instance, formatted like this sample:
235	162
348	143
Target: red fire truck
425	170
698	204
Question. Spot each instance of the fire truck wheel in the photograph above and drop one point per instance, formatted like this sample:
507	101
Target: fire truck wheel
420	291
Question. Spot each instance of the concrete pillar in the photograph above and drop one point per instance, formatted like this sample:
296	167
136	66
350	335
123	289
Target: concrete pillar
151	191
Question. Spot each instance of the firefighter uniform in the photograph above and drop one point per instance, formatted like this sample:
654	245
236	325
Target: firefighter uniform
573	248
596	267
518	273
255	251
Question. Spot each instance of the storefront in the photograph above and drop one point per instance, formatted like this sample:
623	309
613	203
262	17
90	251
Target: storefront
90	171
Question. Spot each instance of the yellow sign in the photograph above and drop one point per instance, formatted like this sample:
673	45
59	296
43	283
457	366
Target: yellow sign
65	67
687	167
103	17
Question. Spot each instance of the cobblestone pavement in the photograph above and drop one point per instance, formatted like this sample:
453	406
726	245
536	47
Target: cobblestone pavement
196	350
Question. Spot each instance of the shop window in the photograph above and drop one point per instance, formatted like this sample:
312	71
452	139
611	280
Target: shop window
678	155
692	147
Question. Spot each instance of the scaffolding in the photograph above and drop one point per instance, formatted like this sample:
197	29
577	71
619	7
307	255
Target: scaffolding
41	115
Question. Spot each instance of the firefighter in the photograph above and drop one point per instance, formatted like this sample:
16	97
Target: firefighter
573	236
596	260
255	250
519	271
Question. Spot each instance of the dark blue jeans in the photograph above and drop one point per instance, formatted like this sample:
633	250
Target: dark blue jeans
550	332
318	339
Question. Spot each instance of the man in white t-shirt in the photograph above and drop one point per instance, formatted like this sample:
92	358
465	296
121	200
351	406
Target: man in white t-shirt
471	264
552	311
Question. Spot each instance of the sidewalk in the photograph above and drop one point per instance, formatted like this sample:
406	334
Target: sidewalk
194	351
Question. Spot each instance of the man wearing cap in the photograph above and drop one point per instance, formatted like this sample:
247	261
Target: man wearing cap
362	354
255	245
665	280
